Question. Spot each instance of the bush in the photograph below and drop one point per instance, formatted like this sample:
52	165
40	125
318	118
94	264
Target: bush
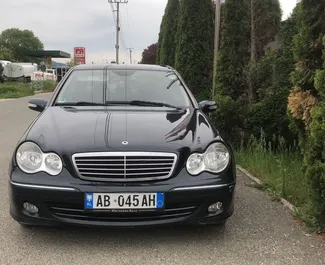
271	115
15	90
229	118
43	86
314	153
49	85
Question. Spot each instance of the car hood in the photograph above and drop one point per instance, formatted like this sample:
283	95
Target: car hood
75	130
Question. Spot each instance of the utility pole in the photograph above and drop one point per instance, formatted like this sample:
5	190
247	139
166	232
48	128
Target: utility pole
130	54
117	46
216	45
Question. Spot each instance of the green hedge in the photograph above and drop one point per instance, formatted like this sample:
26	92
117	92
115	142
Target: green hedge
17	89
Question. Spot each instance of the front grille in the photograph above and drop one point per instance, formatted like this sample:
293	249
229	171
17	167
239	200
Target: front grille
76	211
124	167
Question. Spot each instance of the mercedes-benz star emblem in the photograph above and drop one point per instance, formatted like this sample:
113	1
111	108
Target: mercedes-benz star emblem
125	142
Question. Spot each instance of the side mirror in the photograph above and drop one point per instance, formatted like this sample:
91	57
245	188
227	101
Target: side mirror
37	104
208	106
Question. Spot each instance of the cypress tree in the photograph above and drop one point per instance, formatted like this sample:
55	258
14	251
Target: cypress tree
234	49
159	43
308	44
307	102
194	49
265	24
314	155
169	31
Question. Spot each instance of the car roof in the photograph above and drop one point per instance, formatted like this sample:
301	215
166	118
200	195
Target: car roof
148	67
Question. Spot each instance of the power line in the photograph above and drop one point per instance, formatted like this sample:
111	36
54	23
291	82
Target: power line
124	44
122	37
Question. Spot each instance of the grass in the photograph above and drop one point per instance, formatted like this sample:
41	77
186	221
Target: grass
17	89
281	170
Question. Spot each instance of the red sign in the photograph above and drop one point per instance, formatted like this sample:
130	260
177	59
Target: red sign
80	55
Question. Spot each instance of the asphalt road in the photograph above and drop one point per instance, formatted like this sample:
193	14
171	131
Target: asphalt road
260	231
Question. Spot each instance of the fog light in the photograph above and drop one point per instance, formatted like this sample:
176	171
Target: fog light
215	207
31	208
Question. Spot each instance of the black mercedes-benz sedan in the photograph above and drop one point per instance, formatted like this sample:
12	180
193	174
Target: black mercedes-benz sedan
122	145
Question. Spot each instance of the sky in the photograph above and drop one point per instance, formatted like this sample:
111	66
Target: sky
65	24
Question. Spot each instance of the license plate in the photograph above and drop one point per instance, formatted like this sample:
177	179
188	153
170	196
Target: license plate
124	201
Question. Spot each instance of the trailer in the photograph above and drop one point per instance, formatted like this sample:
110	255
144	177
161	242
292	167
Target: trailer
4	62
21	72
49	74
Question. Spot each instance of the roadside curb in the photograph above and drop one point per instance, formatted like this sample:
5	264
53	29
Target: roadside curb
286	203
35	93
6	99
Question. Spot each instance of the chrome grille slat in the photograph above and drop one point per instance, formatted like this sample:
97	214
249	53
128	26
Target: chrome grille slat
119	174
101	169
121	169
149	164
124	166
95	159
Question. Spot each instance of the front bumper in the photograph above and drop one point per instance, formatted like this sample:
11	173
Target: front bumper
59	205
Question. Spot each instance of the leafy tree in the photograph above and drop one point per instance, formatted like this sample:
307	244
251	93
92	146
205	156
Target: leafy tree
168	34
308	43
265	19
159	43
149	54
72	63
234	49
15	42
265	23
314	154
307	50
5	56
306	102
194	46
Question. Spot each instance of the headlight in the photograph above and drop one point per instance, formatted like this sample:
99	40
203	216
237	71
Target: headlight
31	159
215	159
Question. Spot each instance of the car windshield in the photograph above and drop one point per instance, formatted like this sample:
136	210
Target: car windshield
110	87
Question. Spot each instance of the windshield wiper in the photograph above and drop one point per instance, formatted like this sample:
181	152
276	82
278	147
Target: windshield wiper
143	103
80	103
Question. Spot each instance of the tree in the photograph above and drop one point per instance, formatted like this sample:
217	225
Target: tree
159	43
167	42
15	42
194	46
307	51
315	156
5	56
71	63
149	54
234	49
307	101
265	21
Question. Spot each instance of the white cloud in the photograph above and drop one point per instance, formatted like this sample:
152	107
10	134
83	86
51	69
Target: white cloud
64	24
